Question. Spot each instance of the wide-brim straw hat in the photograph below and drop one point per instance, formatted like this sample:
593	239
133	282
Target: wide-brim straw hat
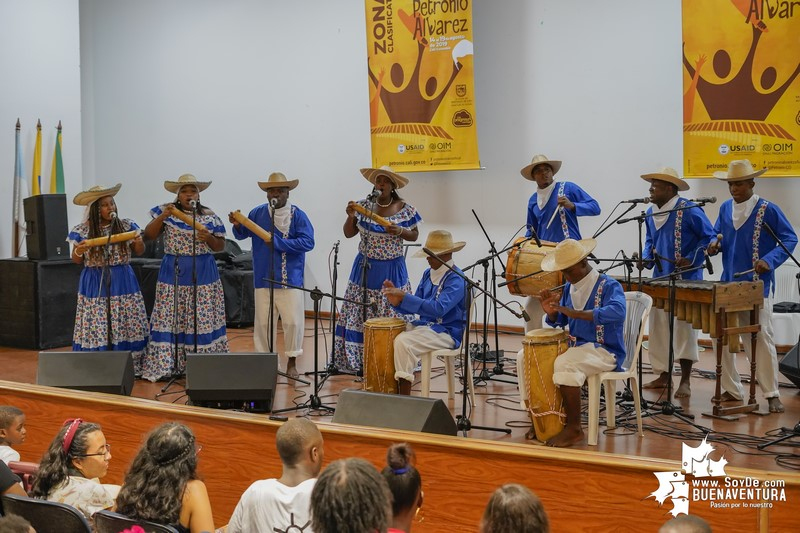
567	253
372	174
277	179
739	170
539	159
440	242
95	193
186	179
670	175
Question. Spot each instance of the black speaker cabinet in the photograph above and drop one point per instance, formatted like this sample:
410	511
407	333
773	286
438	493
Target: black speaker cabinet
109	372
46	226
790	365
232	380
37	303
412	413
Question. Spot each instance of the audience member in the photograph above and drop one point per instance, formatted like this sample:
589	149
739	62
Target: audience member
405	484
12	432
513	508
284	504
685	523
162	485
71	468
9	482
15	524
350	496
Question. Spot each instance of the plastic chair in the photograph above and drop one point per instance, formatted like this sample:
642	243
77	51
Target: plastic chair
637	312
449	356
110	522
45	516
26	472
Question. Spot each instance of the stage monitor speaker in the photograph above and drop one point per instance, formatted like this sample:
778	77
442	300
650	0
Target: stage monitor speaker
412	413
232	380
790	365
46	226
109	372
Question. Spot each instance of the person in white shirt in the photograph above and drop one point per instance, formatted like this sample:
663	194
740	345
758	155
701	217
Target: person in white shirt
12	432
283	504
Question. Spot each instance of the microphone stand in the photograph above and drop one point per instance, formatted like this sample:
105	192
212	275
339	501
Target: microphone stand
105	276
174	377
462	421
194	273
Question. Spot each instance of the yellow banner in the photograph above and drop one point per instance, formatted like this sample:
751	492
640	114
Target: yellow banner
741	95
421	89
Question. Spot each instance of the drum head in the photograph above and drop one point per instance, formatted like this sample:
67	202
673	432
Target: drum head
545	335
384	322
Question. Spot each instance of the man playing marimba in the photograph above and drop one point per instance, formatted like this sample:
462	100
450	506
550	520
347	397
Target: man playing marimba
749	248
679	240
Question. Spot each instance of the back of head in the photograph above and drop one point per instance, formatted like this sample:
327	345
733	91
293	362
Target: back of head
514	508
8	413
402	477
350	496
15	524
57	463
294	437
155	483
686	523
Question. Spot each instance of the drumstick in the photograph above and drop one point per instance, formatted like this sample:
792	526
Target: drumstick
177	213
559	208
557	287
115	238
369	214
252	226
746	272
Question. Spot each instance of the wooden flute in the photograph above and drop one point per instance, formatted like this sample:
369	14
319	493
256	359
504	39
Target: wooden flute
115	238
252	226
377	218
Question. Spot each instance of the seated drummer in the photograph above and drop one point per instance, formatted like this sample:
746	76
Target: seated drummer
593	305
439	303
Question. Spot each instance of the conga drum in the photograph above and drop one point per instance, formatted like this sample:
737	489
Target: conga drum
524	259
541	347
379	334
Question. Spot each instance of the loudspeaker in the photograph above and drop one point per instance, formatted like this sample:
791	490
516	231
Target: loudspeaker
109	372
412	413
790	365
46	226
232	380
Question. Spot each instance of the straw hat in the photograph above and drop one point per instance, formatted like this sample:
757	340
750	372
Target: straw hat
95	193
372	174
739	170
277	179
186	179
539	159
670	175
440	242
567	253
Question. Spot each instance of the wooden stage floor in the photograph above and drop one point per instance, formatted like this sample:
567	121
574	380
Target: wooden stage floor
497	406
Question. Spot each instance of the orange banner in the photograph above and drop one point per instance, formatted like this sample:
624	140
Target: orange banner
741	95
421	88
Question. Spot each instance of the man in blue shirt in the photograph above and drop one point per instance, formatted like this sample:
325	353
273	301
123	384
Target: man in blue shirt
553	211
439	303
292	237
679	239
593	306
748	246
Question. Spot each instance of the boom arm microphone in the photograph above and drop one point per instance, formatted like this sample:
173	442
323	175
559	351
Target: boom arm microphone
708	263
535	236
636	201
628	262
373	195
705	200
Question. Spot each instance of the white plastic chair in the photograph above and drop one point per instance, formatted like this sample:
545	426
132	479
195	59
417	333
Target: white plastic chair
449	356
637	313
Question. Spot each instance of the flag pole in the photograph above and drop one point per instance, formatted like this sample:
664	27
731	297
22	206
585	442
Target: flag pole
15	214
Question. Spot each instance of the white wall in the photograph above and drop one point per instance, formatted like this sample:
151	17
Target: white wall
231	91
40	62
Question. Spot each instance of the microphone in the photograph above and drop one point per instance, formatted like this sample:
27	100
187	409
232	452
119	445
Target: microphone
628	262
373	195
708	263
193	203
273	202
525	316
705	200
535	236
113	215
636	201
657	261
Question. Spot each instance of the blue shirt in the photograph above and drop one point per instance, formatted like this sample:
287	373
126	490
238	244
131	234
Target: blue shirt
585	205
290	249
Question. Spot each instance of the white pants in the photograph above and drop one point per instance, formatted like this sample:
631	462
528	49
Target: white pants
685	341
411	344
533	306
572	367
290	308
766	357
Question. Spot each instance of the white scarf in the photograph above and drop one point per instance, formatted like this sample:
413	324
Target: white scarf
543	195
283	218
659	217
438	274
741	212
581	291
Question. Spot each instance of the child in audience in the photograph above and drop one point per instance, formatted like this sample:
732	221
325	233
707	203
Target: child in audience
513	508
12	432
405	485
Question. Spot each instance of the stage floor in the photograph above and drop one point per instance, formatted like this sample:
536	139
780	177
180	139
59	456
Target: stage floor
498	405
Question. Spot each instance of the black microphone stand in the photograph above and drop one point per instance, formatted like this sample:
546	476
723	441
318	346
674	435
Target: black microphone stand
105	276
330	368
174	375
462	421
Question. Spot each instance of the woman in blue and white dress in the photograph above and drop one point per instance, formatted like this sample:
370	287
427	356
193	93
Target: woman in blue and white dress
173	316
128	318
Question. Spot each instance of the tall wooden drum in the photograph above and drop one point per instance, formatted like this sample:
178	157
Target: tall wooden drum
526	259
541	347
379	334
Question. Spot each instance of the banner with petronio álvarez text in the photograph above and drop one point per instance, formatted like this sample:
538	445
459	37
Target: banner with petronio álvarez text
421	88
